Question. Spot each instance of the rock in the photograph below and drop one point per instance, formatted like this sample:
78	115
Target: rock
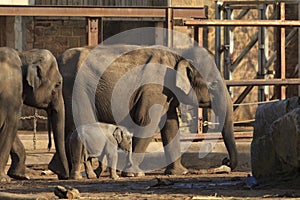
286	140
274	139
66	192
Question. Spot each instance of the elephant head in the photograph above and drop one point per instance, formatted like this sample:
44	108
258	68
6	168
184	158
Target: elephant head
123	138
42	88
199	68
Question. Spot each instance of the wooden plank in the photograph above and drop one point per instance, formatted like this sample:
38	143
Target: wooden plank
259	82
241	22
74	11
282	46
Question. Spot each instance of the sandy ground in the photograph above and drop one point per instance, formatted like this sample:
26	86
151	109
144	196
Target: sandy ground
155	186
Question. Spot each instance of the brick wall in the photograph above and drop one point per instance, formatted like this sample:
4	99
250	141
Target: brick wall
56	35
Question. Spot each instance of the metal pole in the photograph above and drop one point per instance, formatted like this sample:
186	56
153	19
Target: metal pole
227	58
261	53
101	32
218	36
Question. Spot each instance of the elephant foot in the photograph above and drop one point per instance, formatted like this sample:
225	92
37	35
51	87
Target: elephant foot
131	174
75	176
19	176
91	175
4	178
176	170
114	177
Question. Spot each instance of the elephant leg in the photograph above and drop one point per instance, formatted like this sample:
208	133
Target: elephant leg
139	146
18	157
171	142
7	135
77	156
88	166
112	159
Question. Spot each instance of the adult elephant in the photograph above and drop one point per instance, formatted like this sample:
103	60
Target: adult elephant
32	78
97	81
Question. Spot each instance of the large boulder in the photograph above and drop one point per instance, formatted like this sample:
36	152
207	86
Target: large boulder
275	149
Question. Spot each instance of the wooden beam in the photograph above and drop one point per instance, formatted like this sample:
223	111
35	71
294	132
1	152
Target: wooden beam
282	46
93	31
258	82
241	23
76	11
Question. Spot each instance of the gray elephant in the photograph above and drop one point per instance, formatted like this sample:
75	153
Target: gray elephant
101	140
32	78
97	80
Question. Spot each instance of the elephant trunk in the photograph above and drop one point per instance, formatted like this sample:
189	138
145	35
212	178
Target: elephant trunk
228	133
59	162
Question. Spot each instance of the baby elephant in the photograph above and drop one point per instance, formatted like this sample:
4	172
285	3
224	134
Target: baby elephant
99	140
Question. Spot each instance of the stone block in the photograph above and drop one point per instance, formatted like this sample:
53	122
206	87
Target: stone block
275	144
266	114
286	140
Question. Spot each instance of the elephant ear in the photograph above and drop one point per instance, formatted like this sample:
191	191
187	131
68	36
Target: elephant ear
118	135
182	80
34	76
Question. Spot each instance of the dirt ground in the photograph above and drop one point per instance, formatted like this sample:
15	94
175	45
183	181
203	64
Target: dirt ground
154	186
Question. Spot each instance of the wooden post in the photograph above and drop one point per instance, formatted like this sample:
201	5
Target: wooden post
93	31
282	47
169	24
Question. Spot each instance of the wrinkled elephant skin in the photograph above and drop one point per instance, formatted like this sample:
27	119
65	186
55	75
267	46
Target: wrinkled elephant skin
36	82
155	60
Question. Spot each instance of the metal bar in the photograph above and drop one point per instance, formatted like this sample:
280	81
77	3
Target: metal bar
243	53
258	82
289	38
196	35
241	23
227	57
242	96
218	36
75	11
244	7
277	38
242	13
261	52
101	28
282	46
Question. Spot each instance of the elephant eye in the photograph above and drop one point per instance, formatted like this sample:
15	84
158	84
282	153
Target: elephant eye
58	84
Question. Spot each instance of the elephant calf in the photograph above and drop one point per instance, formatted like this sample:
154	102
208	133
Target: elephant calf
100	140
